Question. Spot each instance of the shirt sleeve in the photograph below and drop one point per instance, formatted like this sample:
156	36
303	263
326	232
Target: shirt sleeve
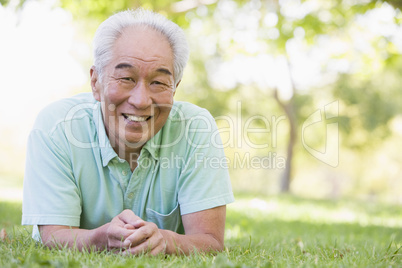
50	195
204	182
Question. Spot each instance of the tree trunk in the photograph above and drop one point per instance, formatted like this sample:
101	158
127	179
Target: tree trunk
288	107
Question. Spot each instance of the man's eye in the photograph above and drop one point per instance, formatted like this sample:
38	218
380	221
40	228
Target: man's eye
157	83
127	79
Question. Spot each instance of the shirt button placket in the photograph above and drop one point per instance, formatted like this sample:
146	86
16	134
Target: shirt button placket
137	186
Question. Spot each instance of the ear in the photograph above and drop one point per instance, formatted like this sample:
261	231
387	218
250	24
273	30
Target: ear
178	83
95	83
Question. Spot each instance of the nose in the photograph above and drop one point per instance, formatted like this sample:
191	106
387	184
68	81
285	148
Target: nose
140	97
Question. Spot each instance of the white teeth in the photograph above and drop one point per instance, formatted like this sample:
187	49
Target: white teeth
137	118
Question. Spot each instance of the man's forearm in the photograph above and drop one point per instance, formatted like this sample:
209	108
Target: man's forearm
96	239
185	244
60	236
204	232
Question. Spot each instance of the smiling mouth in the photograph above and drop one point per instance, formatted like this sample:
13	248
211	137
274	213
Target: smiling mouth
134	118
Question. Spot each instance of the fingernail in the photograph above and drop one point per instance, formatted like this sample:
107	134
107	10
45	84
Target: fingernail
126	243
137	222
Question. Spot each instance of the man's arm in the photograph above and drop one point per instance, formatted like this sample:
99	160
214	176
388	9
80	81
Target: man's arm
109	236
204	231
59	236
127	232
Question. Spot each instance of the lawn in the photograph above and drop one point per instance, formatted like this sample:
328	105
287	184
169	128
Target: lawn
275	231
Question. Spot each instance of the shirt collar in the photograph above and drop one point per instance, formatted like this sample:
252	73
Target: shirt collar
106	150
154	144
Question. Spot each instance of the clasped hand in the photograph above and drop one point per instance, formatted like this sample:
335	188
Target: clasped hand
129	234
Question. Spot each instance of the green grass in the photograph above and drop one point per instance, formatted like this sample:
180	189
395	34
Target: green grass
279	231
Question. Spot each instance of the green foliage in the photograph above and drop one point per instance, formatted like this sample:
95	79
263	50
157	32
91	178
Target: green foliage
10	214
395	3
18	4
278	231
341	16
199	91
368	91
372	102
101	10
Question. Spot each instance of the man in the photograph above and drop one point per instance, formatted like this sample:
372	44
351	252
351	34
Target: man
126	168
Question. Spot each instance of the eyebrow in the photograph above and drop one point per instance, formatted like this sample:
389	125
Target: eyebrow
123	65
127	65
165	71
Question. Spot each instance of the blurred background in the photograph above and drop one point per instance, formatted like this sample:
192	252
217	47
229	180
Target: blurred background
307	94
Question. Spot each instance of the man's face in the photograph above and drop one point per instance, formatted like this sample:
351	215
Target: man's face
137	87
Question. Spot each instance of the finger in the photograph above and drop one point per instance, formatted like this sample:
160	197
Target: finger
129	226
160	249
117	235
148	247
153	245
117	221
144	247
133	241
139	223
139	236
128	216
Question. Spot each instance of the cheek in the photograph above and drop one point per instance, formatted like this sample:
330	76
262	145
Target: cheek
113	95
164	113
165	99
165	107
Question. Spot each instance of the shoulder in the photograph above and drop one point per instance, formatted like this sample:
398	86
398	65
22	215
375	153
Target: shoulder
188	126
76	107
188	118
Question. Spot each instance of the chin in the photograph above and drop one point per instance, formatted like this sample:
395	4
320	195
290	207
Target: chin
135	142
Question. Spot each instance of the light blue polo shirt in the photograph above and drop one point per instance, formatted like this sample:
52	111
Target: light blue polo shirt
73	176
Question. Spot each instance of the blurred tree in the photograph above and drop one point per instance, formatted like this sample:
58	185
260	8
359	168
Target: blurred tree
275	27
395	3
228	27
223	31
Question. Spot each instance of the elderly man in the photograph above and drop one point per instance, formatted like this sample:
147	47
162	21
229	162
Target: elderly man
126	168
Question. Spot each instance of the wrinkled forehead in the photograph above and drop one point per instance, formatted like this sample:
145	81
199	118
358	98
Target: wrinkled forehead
143	42
137	34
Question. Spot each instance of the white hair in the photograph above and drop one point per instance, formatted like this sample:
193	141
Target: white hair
112	28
